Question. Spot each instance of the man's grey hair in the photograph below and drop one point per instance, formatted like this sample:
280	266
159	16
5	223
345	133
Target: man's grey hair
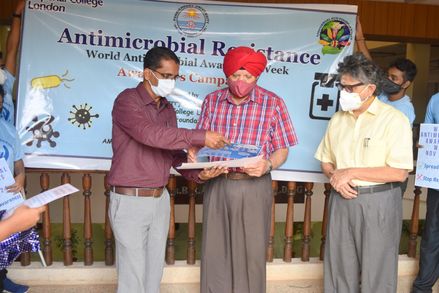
362	69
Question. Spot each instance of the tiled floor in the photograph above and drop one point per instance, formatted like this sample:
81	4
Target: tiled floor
302	286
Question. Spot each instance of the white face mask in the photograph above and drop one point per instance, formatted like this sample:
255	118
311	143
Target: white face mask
164	87
351	101
2	77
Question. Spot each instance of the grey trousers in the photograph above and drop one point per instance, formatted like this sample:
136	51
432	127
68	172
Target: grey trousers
362	246
140	226
236	226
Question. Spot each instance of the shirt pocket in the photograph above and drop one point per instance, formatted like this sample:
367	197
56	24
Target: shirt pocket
374	153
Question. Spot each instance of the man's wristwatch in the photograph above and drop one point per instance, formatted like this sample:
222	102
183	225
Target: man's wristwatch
270	166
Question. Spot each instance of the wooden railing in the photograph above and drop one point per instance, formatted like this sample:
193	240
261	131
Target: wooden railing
193	196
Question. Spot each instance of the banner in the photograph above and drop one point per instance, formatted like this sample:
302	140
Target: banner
78	55
427	165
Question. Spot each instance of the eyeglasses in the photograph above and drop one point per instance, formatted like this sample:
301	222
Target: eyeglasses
167	76
348	87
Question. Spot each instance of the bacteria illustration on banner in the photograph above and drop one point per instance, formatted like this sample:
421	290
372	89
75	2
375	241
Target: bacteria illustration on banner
50	81
42	131
82	116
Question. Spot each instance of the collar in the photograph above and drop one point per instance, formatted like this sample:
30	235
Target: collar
403	99
374	107
146	98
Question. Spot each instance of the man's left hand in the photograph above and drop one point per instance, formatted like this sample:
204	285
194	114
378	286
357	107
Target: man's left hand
341	181
258	168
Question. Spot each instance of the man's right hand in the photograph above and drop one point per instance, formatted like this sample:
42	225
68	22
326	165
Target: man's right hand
215	140
192	154
25	217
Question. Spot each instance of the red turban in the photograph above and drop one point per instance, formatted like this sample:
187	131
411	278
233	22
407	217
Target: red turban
244	57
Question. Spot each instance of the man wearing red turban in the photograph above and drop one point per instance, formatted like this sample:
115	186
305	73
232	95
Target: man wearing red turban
246	58
237	202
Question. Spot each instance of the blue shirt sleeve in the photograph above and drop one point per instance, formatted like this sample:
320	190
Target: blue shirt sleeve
432	114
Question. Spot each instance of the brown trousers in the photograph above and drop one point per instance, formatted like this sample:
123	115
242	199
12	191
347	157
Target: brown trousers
236	227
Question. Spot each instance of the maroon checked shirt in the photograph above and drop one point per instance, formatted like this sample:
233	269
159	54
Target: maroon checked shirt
146	141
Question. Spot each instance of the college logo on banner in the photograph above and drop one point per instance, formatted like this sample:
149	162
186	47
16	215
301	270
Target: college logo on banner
334	34
191	20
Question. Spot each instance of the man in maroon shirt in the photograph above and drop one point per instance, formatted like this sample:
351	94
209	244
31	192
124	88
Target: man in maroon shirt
146	143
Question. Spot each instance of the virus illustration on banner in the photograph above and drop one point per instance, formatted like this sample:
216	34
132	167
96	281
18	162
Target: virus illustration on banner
82	116
50	81
334	35
42	130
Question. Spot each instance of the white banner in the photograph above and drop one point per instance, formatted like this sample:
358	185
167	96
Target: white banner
78	55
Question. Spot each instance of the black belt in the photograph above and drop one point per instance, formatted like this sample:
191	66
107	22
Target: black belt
377	188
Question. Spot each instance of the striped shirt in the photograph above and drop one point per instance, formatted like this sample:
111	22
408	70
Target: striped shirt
261	120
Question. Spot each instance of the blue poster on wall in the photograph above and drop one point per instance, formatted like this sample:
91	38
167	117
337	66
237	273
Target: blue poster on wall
78	55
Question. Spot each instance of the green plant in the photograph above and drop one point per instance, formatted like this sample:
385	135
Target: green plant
59	241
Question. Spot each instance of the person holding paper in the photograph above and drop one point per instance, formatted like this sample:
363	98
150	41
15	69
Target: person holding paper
366	153
429	255
11	151
23	218
237	205
146	143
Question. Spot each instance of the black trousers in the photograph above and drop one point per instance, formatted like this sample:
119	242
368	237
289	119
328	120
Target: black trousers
429	256
3	273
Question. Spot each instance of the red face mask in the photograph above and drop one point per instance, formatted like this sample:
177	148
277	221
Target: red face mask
240	88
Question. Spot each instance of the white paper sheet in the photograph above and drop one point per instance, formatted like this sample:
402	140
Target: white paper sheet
8	200
427	167
230	164
50	195
46	197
